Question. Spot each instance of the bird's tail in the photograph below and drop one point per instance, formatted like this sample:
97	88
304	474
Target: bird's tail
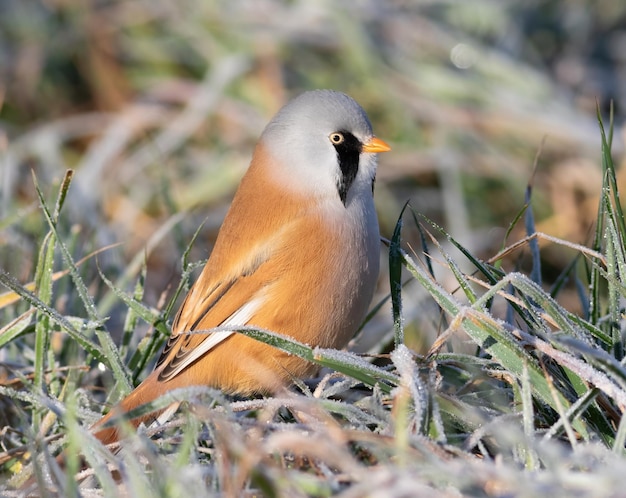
108	431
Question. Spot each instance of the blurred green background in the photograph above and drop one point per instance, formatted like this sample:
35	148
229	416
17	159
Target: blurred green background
157	105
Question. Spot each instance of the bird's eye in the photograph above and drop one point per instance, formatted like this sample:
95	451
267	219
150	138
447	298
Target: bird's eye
336	138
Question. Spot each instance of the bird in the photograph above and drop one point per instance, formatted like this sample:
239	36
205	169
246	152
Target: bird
297	254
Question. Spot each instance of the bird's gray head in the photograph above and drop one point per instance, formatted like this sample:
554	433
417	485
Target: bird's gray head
316	141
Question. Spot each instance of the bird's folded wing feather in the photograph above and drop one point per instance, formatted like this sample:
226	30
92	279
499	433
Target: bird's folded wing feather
231	301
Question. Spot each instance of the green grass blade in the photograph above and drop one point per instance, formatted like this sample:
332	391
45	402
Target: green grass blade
146	314
456	271
80	286
16	327
43	286
65	324
347	363
395	280
533	243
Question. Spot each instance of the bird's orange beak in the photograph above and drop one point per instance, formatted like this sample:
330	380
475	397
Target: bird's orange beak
376	145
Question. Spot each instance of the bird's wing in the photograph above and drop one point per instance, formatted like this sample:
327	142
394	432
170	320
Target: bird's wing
209	305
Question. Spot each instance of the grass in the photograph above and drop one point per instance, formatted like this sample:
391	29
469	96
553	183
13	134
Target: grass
494	365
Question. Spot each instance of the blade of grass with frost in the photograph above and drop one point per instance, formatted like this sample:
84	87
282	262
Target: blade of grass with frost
188	268
65	324
146	314
615	287
462	361
130	322
608	167
153	342
44	279
595	357
44	402
529	288
489	273
554	310
594	273
80	286
148	345
572	380
353	414
147	349
425	248
418	393
63	189
114	360
528	419
54	315
533	243
509	230
121	374
456	271
26	396
354	366
595	302
493	275
72	447
620	438
395	280
598	416
16	327
469	417
616	242
587	406
439	294
608	378
583	404
589	327
347	363
43	286
564	418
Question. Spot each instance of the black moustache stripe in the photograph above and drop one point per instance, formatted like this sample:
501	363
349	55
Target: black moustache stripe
348	153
